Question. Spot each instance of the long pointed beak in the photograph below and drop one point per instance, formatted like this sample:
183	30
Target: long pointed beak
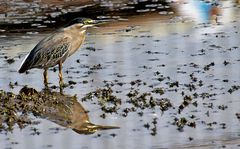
90	128
88	25
91	24
95	21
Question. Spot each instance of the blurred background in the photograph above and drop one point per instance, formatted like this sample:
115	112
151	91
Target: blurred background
27	14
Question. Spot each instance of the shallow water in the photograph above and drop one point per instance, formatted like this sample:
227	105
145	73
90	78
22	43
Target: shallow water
41	15
159	51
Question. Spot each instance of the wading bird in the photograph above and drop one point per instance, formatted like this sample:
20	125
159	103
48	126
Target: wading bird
57	47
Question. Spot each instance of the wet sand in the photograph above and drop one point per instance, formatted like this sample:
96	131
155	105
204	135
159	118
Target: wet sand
166	83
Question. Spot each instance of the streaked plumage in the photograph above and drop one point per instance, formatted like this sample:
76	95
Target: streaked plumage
47	53
56	48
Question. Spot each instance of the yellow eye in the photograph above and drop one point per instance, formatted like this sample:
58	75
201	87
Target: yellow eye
89	21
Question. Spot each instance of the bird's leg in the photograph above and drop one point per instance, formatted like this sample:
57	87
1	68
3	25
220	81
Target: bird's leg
45	77
60	74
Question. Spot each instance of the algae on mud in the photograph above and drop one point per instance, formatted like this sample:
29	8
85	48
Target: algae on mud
61	109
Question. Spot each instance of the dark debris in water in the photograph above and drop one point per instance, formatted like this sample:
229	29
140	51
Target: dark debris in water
146	100
182	122
10	60
207	67
233	89
238	115
106	99
187	100
141	98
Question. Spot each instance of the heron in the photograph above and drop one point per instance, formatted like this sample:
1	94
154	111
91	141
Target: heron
56	48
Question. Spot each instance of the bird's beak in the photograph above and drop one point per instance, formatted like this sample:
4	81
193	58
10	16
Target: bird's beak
88	25
98	23
91	23
95	22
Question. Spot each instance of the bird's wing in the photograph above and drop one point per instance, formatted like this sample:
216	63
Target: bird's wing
47	52
58	50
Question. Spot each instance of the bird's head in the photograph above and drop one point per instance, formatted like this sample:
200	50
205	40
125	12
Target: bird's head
82	22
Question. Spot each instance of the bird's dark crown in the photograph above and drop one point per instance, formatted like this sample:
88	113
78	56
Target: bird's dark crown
84	21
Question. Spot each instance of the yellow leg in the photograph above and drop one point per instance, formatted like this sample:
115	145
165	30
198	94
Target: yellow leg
45	77
60	74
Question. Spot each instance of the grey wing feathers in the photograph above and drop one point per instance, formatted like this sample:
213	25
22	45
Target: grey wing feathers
47	53
52	56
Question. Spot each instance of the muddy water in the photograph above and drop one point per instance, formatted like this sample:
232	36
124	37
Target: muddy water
146	63
42	15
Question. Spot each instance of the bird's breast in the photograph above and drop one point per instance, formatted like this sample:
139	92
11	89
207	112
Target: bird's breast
77	40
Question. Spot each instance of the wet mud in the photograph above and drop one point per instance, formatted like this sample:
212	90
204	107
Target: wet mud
64	110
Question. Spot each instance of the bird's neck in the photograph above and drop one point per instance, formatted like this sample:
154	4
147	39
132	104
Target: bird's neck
75	32
77	35
75	29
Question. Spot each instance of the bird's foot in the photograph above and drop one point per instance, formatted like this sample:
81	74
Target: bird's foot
47	89
46	84
62	85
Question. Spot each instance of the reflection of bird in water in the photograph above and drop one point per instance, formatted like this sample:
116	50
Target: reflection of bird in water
56	48
64	110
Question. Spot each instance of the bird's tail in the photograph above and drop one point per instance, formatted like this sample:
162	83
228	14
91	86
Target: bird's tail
22	70
24	66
